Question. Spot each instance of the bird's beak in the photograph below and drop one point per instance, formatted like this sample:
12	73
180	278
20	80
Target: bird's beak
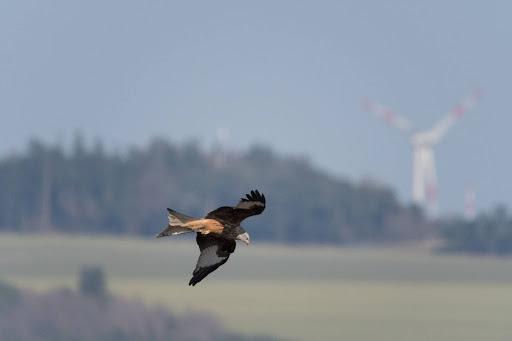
244	236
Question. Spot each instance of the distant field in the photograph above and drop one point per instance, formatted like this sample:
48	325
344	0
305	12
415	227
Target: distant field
296	293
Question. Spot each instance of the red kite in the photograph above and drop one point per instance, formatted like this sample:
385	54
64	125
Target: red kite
216	233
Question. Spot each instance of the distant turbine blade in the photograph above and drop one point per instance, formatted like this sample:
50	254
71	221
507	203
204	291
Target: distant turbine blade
388	116
453	116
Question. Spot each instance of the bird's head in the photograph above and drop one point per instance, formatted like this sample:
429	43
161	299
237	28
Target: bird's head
243	236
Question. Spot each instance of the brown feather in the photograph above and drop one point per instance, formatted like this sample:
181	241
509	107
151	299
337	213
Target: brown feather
205	226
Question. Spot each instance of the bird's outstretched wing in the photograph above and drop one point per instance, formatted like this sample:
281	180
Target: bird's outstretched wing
253	205
215	251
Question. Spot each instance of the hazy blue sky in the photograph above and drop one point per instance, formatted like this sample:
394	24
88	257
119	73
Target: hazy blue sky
288	74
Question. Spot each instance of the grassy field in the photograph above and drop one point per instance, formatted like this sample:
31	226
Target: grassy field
291	292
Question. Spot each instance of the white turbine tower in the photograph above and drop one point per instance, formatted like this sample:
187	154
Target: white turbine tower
219	146
424	177
469	202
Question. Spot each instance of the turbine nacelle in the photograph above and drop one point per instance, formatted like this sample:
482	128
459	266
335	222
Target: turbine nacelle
423	140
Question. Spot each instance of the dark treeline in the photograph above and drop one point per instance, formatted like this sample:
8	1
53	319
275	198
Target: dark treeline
88	190
488	233
65	315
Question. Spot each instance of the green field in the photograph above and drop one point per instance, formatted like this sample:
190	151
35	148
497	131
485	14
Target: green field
293	292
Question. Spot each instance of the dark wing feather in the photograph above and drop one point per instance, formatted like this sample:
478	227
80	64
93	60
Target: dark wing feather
214	252
253	205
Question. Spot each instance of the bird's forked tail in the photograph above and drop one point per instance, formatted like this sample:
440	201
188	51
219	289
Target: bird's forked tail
176	222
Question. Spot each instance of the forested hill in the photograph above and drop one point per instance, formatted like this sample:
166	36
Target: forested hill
90	191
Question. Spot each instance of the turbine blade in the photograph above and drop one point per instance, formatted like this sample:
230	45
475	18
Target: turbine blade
388	116
453	116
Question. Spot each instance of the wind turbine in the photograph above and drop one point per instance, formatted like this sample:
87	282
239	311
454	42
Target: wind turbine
424	176
219	146
469	202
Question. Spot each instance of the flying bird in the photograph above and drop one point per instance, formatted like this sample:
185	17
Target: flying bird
216	233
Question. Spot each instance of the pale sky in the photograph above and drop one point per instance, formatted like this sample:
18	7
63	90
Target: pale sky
287	74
